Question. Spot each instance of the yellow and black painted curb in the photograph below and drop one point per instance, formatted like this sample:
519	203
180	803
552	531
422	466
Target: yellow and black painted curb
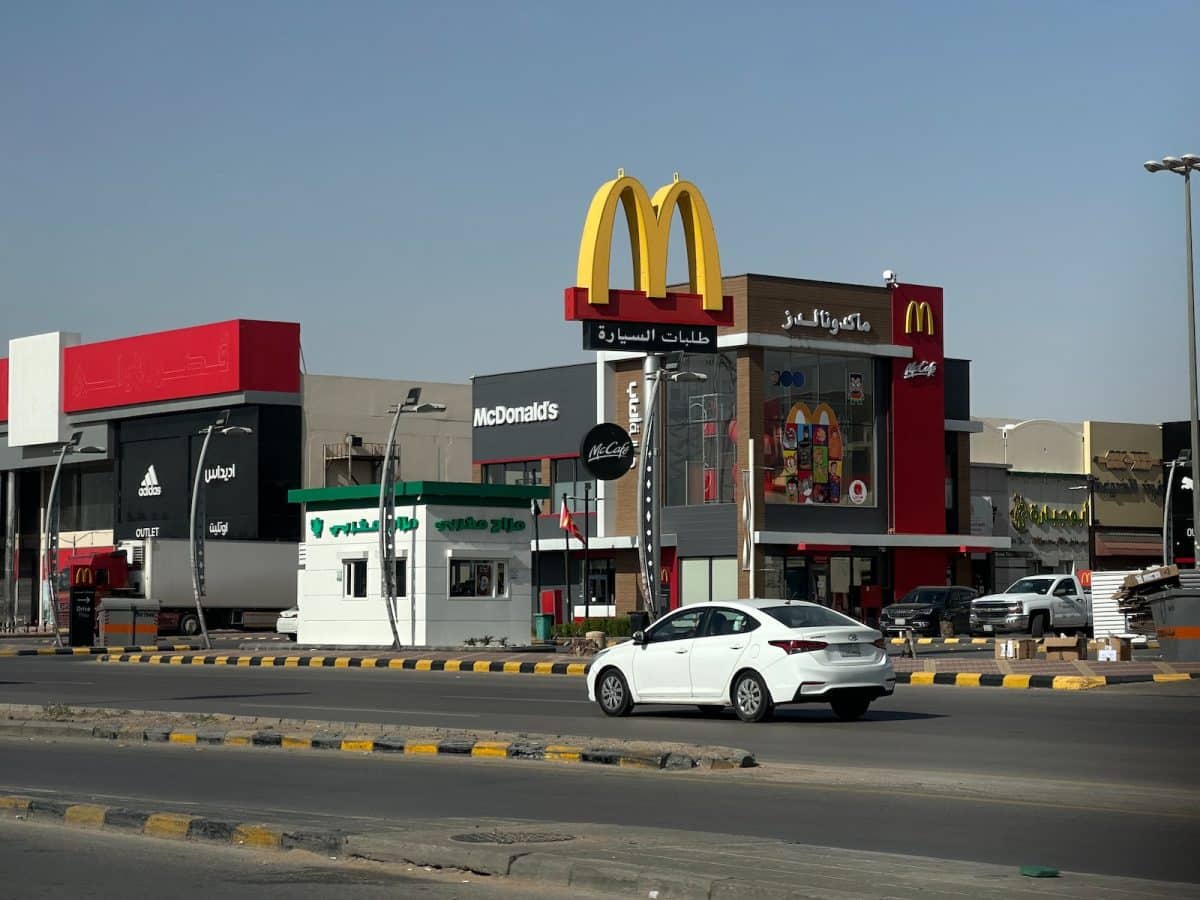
980	642
95	651
1054	682
460	746
510	667
174	825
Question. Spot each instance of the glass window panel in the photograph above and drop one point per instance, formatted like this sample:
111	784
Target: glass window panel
725	579
694	581
819	429
701	433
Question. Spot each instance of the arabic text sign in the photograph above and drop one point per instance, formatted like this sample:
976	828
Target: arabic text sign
824	320
645	337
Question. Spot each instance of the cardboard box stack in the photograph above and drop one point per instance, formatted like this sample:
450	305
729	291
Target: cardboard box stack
1065	649
1016	648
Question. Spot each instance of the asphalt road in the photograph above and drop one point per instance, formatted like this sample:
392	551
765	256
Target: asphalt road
1142	735
353	792
49	861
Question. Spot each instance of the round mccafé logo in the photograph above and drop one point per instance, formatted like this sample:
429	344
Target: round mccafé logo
607	451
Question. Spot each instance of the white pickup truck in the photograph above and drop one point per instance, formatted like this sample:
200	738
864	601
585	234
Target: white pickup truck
1037	605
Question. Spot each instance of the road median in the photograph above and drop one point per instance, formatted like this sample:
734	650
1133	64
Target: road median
367	739
575	857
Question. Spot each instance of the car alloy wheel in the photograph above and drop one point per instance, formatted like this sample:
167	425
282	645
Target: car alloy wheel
613	694
750	698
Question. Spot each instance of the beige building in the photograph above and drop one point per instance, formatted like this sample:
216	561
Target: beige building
346	423
1075	484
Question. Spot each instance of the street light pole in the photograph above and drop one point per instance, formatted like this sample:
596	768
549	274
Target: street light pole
1185	165
196	528
52	522
52	543
387	513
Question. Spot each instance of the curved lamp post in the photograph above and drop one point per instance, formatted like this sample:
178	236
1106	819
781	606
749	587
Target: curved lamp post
387	509
649	493
196	533
1185	165
52	510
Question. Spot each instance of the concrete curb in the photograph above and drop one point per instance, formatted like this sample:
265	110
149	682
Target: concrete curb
508	667
95	651
174	825
1054	682
232	731
607	876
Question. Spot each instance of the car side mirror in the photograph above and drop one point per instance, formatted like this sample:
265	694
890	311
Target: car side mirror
639	637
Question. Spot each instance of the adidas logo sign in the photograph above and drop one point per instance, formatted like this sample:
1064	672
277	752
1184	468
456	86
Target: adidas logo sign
150	486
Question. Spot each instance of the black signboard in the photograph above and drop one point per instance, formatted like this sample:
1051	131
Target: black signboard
646	337
1176	441
155	493
607	451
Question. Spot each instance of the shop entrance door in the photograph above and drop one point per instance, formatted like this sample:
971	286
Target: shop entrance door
819	574
796	579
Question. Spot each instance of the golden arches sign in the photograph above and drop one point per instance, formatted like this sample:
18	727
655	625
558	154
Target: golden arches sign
649	219
918	317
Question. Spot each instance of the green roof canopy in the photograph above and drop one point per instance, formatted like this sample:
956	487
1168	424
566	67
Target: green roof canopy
453	493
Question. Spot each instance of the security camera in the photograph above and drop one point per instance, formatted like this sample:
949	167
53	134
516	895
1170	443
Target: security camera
889	278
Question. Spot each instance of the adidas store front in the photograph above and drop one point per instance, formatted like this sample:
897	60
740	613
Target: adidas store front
139	406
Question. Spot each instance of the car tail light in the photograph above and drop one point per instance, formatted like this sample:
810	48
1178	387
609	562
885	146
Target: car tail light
878	642
790	647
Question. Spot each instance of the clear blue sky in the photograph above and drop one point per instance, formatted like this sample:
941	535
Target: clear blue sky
409	181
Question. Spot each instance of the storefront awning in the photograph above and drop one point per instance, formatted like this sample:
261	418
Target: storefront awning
964	543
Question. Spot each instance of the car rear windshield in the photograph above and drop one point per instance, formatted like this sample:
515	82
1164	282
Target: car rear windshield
802	615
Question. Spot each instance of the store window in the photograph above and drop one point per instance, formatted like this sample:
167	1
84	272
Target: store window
86	496
569	476
401	577
478	579
354	578
819	424
528	471
708	579
701	434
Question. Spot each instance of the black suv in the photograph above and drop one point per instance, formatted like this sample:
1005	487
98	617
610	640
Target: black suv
923	609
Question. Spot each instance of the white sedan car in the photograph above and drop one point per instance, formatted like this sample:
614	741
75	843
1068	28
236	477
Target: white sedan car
289	622
753	654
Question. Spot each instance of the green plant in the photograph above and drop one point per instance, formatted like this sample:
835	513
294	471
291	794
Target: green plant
617	626
471	642
486	640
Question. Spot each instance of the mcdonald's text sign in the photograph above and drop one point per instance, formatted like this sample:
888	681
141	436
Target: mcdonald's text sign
649	222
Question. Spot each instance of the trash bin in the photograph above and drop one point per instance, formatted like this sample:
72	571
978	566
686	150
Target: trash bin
116	622
145	622
639	620
81	617
543	626
1177	619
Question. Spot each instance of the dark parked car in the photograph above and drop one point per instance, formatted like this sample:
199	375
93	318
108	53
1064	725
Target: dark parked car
923	609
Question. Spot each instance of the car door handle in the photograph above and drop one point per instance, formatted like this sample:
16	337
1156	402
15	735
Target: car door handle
736	646
681	650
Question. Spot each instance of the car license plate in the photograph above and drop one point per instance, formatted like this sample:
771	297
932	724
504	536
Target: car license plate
900	621
987	627
850	650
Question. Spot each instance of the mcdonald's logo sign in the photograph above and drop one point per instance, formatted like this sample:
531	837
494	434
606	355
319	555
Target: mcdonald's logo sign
649	220
84	575
918	317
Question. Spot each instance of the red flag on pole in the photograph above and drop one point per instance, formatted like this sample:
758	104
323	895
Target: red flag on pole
567	523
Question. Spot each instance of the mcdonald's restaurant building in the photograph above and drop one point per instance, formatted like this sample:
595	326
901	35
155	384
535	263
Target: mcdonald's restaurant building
825	456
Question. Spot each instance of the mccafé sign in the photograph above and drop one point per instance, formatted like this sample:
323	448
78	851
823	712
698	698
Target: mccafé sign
649	218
